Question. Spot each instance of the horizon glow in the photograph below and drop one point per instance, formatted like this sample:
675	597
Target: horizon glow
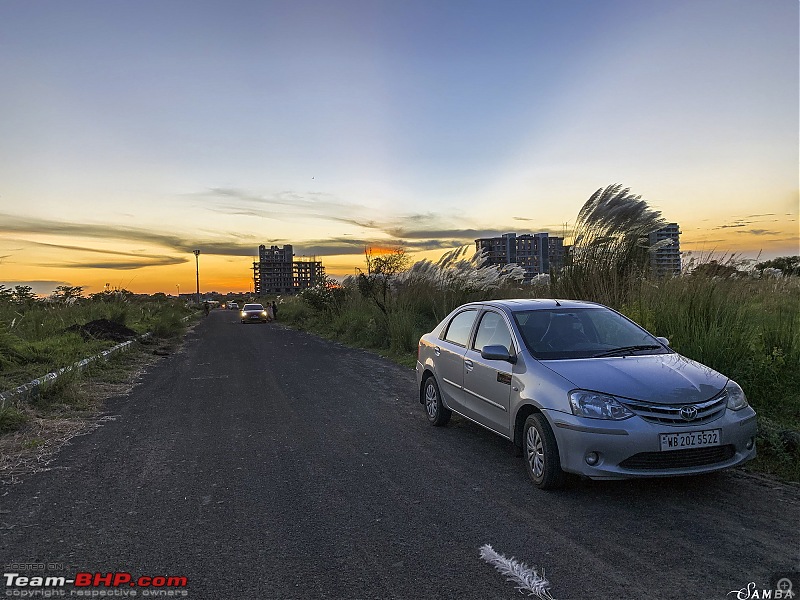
134	133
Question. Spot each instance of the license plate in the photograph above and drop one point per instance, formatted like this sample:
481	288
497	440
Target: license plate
690	439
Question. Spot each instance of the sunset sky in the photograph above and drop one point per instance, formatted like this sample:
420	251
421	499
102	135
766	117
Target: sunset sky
132	132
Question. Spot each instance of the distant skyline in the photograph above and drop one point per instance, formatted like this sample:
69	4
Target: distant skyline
135	132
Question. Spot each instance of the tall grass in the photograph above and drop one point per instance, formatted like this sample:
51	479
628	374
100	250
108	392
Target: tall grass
35	337
420	298
610	253
747	328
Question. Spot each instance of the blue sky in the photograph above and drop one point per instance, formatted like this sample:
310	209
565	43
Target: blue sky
135	131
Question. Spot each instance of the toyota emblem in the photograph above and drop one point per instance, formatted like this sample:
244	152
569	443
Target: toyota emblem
688	413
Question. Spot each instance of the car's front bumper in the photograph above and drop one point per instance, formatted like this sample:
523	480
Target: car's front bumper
631	448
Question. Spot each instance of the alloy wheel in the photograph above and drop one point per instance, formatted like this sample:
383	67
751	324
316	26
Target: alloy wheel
534	448
431	400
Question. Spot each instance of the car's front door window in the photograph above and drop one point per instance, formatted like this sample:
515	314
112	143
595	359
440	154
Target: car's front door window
493	331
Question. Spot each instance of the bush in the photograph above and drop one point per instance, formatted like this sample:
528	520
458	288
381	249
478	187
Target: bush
11	419
168	324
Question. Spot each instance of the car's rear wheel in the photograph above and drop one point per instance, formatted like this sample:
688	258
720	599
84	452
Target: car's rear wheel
438	414
542	461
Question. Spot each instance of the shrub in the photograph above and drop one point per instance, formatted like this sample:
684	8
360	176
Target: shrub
11	418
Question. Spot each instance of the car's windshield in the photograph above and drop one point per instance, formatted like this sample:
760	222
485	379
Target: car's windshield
583	333
253	307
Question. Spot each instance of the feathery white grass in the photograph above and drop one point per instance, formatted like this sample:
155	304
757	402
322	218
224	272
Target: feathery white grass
456	270
523	577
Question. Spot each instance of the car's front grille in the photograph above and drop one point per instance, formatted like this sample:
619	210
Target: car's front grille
679	459
680	414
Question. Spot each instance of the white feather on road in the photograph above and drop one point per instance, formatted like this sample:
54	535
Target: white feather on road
525	578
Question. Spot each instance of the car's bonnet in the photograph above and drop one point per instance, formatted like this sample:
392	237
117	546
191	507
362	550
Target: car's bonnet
661	378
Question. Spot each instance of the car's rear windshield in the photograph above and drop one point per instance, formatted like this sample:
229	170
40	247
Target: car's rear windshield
253	307
561	333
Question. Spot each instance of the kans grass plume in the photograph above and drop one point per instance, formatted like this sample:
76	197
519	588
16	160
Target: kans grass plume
524	578
457	278
458	270
610	250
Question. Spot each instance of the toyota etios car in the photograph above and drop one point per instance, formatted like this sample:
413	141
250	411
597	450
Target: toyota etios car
579	388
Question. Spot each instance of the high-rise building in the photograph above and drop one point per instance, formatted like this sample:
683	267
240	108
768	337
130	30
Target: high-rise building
307	273
536	253
276	271
666	260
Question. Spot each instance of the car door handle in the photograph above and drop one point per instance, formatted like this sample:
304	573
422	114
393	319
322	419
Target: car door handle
436	350
469	364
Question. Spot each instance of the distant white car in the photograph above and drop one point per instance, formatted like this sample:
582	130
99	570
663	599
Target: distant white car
253	313
579	388
233	306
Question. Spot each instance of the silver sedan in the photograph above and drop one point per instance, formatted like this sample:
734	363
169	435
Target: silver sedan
579	388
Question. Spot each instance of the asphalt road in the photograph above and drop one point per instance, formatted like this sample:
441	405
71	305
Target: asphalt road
261	462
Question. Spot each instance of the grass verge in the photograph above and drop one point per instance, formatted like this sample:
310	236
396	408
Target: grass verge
37	337
34	427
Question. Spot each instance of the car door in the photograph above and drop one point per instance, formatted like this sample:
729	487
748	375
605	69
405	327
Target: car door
449	357
487	383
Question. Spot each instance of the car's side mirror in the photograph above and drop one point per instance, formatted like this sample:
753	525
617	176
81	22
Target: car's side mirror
498	352
663	340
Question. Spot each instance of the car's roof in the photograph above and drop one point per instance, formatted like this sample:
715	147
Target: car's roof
254	305
520	304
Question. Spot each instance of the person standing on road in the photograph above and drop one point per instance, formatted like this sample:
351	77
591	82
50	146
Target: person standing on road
274	308
270	312
206	308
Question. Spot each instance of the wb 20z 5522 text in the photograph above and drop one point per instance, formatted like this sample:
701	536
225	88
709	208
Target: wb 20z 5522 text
690	439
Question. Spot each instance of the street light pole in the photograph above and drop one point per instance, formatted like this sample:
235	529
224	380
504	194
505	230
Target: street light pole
197	264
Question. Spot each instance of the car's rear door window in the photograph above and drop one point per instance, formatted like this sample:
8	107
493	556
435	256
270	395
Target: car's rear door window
460	327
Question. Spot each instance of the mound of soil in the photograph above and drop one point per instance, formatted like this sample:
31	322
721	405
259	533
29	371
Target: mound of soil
103	329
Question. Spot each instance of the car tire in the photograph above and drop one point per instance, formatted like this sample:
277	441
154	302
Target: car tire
540	451
438	414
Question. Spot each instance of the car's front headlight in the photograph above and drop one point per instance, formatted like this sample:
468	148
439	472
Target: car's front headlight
736	398
597	406
243	314
263	313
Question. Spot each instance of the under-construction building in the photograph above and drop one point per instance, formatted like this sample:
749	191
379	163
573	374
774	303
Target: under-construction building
277	272
666	259
536	253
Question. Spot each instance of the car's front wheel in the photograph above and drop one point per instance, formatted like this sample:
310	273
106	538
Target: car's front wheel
438	414
542	461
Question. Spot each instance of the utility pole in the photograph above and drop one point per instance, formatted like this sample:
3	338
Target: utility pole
197	264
